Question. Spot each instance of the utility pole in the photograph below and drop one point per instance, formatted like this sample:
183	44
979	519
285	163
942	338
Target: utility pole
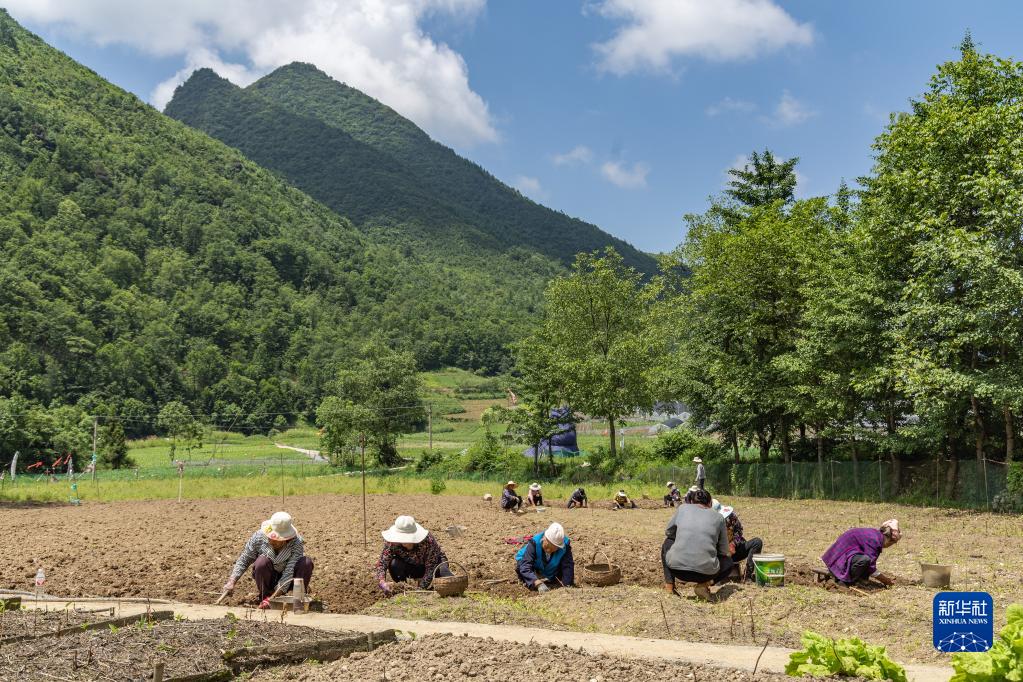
365	525
95	429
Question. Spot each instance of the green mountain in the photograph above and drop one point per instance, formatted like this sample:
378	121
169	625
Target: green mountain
143	261
379	169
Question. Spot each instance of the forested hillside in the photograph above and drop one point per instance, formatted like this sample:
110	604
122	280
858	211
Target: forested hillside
142	261
370	164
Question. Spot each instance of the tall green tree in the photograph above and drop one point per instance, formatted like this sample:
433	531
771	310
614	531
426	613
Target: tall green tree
182	428
592	341
378	396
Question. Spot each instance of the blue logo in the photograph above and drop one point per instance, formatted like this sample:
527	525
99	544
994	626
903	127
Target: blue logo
963	621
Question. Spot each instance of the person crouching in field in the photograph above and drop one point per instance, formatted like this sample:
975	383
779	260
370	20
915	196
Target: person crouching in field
410	552
535	496
738	546
622	501
674	496
695	548
854	555
578	498
546	562
510	501
277	556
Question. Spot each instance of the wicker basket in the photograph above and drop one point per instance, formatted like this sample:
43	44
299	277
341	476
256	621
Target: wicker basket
602	575
450	586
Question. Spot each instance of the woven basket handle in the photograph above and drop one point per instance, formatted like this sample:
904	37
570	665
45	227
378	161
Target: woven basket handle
607	559
449	564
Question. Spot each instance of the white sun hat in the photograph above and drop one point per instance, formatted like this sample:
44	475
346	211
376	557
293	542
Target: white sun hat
510	484
534	486
671	484
697	460
724	510
405	529
279	527
555	534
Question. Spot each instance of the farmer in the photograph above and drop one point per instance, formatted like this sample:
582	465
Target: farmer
695	548
578	498
277	555
546	561
674	496
509	500
854	555
701	474
622	501
535	496
410	551
739	547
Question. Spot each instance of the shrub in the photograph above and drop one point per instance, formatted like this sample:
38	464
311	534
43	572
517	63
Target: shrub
437	485
682	443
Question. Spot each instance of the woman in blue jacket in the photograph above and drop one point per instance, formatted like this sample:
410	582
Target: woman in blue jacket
546	561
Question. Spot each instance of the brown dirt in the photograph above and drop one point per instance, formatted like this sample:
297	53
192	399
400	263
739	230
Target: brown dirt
37	622
448	657
130	652
185	551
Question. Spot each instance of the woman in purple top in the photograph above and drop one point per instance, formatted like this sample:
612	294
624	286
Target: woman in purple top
854	555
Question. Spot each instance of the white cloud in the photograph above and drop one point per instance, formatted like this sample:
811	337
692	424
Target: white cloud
790	111
730	105
377	46
620	174
657	31
529	186
578	154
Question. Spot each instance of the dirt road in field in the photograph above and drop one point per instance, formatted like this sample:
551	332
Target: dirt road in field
185	551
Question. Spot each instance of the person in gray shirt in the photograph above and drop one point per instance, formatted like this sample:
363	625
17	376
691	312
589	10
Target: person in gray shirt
695	548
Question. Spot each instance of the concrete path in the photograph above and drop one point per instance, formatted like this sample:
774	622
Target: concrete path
723	655
311	454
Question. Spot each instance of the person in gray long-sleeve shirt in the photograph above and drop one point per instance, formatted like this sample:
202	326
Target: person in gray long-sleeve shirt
695	548
277	555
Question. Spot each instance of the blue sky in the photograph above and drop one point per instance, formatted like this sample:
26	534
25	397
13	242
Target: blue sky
626	113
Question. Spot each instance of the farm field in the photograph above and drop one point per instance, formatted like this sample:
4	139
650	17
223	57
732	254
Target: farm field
186	550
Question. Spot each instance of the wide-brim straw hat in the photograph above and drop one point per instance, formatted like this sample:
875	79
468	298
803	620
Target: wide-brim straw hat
511	484
697	460
722	509
405	529
534	486
671	484
279	527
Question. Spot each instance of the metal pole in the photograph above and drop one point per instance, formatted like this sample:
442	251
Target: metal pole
282	479
987	493
365	524
880	481
429	417
95	428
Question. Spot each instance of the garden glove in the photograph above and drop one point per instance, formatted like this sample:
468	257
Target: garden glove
542	587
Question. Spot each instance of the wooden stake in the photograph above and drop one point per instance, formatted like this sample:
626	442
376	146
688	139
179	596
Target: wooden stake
365	523
158	672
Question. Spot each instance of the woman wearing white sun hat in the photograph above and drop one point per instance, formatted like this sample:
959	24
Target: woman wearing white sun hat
410	551
701	474
535	496
277	555
738	545
546	561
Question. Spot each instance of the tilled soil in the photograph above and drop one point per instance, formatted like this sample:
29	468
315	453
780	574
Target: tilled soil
36	622
130	652
165	549
448	657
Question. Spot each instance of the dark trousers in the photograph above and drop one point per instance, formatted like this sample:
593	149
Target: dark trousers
537	501
575	503
673	574
267	578
746	549
700	482
402	570
859	568
513	503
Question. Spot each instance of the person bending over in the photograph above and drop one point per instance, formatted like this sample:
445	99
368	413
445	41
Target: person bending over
535	496
695	548
674	496
410	552
622	501
578	498
277	556
739	547
854	555
545	562
510	500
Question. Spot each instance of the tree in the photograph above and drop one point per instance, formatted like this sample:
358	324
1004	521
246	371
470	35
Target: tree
179	424
112	446
378	395
763	180
592	339
941	212
342	424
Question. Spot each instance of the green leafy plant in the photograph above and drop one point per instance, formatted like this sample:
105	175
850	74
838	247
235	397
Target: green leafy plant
1004	661
437	485
824	657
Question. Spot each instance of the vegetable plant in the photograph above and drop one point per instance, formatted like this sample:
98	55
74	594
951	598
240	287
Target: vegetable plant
1002	662
824	657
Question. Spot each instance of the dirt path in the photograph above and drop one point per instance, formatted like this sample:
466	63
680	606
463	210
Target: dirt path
772	660
311	454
